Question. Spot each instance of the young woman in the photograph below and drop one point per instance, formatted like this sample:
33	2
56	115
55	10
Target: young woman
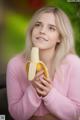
57	97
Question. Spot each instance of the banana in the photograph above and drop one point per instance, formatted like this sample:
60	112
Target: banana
35	65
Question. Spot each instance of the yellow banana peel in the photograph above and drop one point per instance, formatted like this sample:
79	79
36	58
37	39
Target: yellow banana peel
35	65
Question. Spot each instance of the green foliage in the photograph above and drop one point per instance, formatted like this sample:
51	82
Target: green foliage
16	26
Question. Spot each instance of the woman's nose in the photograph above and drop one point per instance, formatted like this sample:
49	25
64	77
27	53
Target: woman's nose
43	30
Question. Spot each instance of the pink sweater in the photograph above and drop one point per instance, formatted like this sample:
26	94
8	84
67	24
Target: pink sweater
62	101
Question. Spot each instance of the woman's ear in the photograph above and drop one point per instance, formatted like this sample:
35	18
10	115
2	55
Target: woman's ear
58	41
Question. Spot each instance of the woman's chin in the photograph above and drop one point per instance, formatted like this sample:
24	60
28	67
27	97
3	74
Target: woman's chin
40	46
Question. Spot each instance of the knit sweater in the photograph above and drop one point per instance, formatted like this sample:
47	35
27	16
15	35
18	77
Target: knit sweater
63	100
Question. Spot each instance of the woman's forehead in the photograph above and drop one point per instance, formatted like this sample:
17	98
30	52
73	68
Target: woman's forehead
42	14
46	17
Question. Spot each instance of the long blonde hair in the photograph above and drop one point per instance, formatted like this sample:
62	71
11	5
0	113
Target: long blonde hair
64	27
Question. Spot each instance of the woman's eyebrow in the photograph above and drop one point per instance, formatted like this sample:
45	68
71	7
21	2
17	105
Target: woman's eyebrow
48	24
52	25
38	22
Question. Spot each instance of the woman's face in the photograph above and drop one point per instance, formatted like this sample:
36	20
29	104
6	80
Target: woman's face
45	34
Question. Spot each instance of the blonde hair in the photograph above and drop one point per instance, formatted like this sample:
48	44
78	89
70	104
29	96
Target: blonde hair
64	27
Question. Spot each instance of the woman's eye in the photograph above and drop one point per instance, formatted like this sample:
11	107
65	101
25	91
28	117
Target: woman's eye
51	28
37	25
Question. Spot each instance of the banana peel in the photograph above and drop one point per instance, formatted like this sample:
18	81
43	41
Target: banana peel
35	65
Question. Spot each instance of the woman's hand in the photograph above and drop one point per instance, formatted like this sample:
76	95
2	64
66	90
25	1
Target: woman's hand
37	78
42	84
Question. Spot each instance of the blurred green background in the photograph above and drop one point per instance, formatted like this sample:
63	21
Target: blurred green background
18	15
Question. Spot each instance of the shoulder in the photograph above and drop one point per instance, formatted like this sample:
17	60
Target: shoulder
72	60
16	61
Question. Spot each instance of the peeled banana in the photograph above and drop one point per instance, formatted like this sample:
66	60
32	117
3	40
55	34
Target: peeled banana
35	65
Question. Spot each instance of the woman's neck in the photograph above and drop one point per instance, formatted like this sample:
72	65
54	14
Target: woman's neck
47	56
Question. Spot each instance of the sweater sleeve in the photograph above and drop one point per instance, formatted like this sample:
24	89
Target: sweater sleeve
66	107
21	105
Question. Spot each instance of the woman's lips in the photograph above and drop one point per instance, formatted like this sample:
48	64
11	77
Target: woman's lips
41	38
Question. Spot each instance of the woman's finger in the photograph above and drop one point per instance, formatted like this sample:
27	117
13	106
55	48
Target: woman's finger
40	92
38	74
48	79
40	85
41	76
44	82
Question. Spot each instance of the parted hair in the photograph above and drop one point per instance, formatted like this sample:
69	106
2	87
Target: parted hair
64	28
